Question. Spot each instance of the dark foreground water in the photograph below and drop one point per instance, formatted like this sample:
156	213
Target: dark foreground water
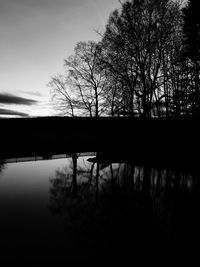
81	209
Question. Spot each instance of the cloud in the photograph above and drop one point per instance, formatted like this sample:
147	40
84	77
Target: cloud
12	112
12	99
34	93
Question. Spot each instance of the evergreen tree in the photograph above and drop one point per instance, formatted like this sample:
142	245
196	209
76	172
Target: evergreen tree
191	29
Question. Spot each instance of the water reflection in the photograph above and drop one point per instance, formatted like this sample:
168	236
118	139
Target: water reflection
107	204
2	165
95	207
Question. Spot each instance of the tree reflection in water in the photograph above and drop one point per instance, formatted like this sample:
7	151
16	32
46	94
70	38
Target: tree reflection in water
2	165
120	206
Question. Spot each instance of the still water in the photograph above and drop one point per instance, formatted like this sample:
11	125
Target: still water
73	208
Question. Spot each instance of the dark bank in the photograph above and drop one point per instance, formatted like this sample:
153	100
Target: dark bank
149	141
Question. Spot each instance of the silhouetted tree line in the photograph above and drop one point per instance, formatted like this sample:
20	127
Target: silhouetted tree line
146	64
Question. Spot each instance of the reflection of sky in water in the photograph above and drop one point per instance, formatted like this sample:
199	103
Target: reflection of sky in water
28	178
24	195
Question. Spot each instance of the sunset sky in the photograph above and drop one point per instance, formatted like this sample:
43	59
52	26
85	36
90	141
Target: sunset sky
35	37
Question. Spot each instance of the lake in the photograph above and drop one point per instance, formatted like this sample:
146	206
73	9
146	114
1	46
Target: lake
76	208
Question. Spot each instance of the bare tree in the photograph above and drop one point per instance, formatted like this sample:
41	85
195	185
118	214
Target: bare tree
62	95
134	45
80	91
137	69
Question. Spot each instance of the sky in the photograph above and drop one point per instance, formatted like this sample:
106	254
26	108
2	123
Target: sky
35	37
